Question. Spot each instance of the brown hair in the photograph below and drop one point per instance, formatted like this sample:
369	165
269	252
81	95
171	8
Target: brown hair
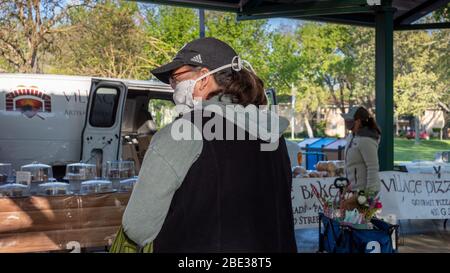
367	120
243	86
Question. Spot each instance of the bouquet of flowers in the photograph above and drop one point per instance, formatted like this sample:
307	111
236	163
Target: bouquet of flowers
365	205
369	204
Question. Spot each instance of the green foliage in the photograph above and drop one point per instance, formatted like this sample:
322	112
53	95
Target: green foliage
417	86
284	62
340	59
320	129
110	42
174	27
442	14
250	39
160	110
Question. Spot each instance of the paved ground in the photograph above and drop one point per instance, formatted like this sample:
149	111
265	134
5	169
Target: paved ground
424	236
415	236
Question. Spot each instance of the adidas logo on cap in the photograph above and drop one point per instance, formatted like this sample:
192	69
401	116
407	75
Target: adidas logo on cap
197	59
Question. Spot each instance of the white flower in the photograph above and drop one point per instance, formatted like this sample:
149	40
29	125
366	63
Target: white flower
362	199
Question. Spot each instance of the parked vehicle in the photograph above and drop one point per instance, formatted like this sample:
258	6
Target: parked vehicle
422	135
57	120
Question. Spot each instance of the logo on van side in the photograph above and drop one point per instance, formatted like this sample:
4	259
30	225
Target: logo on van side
29	101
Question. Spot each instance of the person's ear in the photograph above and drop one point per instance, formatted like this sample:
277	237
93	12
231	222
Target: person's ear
205	80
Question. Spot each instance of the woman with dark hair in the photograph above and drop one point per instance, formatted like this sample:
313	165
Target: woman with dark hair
215	192
361	151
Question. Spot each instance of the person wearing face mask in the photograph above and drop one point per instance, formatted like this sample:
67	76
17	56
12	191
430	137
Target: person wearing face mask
212	194
361	154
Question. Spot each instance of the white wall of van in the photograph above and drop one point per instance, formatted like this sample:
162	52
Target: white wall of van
35	128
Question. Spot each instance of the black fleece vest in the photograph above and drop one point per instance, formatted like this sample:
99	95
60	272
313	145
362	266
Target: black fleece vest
234	198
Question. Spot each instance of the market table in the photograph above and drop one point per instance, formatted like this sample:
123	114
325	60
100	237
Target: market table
63	223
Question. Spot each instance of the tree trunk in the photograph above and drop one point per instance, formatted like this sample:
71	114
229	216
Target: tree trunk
416	129
318	114
293	94
308	125
397	126
446	125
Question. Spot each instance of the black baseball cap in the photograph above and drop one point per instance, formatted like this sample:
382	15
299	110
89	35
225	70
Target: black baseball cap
205	52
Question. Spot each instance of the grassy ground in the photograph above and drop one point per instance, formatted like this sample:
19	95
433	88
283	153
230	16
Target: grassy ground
407	150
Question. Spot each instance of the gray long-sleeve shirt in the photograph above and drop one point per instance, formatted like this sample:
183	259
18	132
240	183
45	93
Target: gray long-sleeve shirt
361	162
167	162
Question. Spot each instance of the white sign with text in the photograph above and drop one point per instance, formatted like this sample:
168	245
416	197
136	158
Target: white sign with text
403	195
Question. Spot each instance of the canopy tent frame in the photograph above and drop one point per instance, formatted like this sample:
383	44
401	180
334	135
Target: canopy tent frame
385	16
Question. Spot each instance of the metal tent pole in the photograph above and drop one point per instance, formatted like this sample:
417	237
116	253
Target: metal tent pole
384	84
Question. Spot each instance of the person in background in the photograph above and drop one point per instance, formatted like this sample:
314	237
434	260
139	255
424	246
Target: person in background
361	154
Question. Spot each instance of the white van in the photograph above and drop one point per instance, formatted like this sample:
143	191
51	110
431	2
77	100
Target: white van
56	120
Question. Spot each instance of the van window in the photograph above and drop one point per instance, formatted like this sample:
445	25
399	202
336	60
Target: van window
162	111
104	107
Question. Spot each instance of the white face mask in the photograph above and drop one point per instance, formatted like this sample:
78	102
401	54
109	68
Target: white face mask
184	91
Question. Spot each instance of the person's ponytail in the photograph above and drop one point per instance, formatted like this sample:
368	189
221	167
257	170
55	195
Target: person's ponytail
243	86
372	124
367	120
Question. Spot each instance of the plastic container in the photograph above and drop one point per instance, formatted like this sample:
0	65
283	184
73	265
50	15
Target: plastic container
5	173
53	189
80	172
96	186
120	169
40	173
14	190
127	185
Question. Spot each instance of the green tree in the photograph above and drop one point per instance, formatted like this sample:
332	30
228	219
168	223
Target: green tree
174	27
284	62
417	85
28	30
250	39
328	59
178	26
111	42
442	14
363	76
